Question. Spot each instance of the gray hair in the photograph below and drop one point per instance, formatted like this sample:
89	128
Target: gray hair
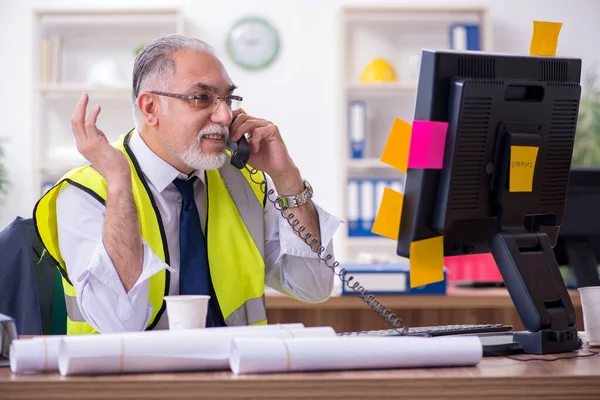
154	67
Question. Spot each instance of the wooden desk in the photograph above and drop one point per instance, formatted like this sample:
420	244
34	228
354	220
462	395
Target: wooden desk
460	306
493	378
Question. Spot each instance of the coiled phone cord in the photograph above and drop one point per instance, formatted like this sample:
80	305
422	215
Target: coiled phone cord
385	313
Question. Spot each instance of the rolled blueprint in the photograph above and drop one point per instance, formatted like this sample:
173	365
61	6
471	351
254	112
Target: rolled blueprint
259	355
40	354
180	351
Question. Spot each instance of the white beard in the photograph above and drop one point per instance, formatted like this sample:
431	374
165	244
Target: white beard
194	158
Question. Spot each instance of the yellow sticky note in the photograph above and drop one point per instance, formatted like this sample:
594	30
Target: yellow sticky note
522	167
426	261
387	222
544	38
395	152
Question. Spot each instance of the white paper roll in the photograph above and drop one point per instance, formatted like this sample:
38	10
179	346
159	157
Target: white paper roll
178	351
40	354
259	355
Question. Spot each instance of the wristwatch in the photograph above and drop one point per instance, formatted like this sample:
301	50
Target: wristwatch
297	200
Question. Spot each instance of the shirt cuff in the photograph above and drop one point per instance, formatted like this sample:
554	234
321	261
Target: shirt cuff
292	244
103	270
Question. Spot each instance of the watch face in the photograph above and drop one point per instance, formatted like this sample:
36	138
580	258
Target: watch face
253	43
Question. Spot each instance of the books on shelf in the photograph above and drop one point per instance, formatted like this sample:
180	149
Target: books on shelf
364	197
50	57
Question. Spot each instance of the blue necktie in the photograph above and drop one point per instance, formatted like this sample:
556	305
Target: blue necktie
194	274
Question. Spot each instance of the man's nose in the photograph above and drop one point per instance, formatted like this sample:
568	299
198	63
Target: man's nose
221	114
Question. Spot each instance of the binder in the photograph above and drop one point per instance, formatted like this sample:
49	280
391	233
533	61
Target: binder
367	206
389	279
465	37
353	208
357	128
397	185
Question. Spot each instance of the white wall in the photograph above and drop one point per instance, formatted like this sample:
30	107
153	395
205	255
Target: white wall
300	92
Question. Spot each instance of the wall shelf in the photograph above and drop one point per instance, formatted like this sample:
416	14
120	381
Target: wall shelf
380	89
90	51
362	163
397	35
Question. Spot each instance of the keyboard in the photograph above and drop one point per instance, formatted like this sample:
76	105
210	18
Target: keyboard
431	331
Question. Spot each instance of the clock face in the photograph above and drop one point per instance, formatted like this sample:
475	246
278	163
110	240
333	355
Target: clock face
253	43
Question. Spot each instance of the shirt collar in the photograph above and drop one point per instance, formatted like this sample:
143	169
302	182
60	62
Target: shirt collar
159	172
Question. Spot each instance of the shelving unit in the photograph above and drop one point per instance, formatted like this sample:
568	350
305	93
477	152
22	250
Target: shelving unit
398	36
88	51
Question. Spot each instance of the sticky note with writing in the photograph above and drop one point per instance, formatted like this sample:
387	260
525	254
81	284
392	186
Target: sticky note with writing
545	38
427	142
387	222
522	167
395	152
426	261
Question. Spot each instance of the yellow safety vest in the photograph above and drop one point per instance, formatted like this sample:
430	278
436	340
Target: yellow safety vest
234	234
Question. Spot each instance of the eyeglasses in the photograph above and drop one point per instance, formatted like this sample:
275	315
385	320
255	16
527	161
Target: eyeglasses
205	100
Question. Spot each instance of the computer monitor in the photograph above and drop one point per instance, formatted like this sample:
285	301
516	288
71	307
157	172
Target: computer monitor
578	244
493	103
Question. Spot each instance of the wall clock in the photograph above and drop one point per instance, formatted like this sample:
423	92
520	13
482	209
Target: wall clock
253	43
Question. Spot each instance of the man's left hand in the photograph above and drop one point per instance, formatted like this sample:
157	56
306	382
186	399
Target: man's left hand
268	153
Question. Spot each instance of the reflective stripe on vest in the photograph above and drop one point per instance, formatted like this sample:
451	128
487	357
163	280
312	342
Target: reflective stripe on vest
235	237
253	311
245	198
73	310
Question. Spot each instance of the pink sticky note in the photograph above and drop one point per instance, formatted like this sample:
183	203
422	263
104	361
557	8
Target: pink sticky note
427	143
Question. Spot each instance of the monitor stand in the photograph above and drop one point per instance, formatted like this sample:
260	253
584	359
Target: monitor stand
583	262
530	271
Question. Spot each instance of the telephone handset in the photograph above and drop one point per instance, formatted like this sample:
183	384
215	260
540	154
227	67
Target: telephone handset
240	153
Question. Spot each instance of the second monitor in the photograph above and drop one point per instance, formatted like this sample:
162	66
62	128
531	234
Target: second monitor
511	128
578	244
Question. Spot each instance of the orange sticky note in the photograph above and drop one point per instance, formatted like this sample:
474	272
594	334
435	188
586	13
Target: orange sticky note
397	147
426	261
387	222
545	38
522	168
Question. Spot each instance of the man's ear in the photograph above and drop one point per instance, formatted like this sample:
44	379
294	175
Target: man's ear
149	108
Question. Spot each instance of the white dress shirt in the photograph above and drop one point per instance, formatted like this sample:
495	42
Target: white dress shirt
291	267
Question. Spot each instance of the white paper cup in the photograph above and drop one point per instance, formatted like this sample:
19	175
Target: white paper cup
590	306
187	311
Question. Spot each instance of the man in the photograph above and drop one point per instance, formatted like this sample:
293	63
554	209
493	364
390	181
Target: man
163	211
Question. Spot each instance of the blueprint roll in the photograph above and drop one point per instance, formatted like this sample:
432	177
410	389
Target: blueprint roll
262	355
357	126
34	355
